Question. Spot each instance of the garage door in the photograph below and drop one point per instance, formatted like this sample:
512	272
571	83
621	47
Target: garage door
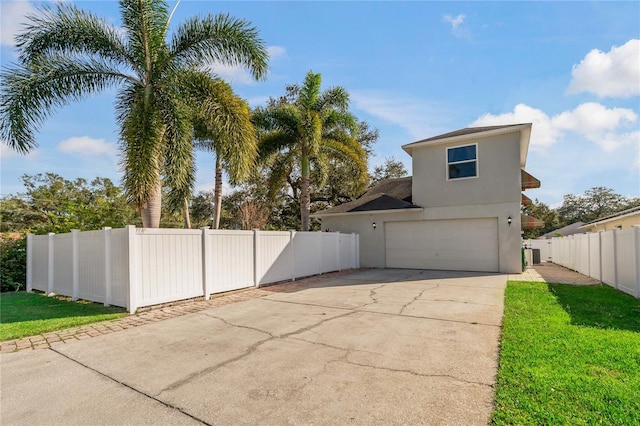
452	245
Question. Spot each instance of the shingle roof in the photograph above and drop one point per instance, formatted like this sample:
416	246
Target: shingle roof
389	194
565	230
398	188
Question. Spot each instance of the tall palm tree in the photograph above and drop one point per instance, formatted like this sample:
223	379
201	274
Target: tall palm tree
223	126
67	54
306	130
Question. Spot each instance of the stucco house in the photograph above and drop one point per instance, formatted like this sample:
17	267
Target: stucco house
621	220
459	211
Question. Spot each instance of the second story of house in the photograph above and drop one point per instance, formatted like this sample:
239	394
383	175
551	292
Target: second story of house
479	165
468	167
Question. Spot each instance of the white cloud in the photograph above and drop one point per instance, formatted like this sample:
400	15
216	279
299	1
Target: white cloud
416	117
238	73
606	127
614	74
87	146
601	125
457	28
276	53
543	133
454	21
12	16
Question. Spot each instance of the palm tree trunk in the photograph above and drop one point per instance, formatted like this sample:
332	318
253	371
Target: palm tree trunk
305	198
185	214
217	193
150	210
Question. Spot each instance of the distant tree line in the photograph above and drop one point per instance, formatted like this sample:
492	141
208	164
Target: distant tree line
594	204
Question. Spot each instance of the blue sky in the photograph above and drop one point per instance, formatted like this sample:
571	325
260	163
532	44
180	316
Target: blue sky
414	70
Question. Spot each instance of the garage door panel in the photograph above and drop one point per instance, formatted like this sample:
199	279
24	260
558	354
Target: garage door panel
460	245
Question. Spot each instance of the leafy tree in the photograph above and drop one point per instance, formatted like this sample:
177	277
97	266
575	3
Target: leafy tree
595	203
54	204
541	211
302	131
13	262
67	54
391	168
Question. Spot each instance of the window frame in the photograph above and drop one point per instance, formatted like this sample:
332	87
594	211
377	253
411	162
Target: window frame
448	163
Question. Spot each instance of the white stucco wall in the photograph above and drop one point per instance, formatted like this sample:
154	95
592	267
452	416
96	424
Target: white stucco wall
498	178
372	241
372	254
495	193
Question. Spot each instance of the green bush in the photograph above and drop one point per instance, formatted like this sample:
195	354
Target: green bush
13	263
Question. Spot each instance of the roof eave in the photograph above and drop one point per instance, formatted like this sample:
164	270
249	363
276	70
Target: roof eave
599	222
412	209
525	130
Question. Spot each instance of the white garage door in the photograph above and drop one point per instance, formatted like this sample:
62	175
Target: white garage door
452	245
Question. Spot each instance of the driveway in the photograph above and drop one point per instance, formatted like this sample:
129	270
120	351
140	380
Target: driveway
379	346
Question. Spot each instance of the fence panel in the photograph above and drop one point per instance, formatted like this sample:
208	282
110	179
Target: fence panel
581	254
274	256
330	253
40	262
230	260
169	265
91	266
608	258
626	261
63	264
594	256
308	250
119	267
347	251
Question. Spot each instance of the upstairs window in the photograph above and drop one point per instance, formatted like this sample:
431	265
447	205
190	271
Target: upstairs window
462	162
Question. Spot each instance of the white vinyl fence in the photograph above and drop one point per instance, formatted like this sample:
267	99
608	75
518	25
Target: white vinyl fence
135	267
612	257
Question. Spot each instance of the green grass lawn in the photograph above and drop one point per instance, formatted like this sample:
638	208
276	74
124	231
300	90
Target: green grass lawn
27	314
569	356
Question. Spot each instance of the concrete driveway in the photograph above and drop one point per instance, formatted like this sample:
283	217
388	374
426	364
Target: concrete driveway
372	347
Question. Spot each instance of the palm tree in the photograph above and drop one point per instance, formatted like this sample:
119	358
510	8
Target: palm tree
67	54
308	128
223	126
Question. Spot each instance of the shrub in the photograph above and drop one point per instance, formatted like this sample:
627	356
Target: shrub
13	262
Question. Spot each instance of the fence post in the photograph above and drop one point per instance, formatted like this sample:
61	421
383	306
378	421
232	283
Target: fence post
338	250
75	273
132	243
206	248
292	255
615	257
636	249
29	263
256	253
319	234
106	235
600	252
50	263
357	251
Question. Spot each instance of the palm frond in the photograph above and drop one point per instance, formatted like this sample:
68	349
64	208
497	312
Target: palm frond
141	134
145	24
334	98
30	93
68	31
219	39
179	165
223	122
310	91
